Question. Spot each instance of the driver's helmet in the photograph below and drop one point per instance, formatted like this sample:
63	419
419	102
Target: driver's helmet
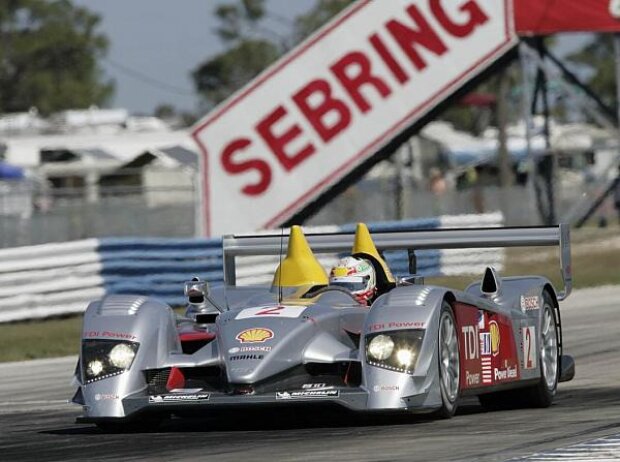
356	275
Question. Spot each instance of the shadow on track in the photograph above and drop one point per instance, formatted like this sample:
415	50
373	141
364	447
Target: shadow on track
326	417
273	419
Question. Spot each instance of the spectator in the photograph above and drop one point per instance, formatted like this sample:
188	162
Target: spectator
437	185
437	182
472	176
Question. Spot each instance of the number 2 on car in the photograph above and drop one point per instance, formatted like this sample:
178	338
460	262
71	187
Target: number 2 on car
281	311
529	347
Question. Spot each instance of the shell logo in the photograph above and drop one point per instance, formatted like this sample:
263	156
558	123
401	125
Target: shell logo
495	337
254	335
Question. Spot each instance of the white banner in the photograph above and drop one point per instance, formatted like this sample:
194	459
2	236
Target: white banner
336	100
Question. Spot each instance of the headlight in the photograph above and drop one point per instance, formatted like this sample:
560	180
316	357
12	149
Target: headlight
380	347
106	358
122	356
95	367
394	350
405	357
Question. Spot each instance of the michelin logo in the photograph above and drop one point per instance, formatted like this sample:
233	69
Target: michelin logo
156	399
307	394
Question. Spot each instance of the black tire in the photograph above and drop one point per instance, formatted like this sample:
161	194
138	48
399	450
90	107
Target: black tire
541	395
449	398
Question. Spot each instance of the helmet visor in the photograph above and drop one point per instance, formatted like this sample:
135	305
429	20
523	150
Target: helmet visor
352	283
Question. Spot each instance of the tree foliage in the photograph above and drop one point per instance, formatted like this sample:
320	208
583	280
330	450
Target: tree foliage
248	53
236	19
320	14
226	72
598	55
48	56
250	46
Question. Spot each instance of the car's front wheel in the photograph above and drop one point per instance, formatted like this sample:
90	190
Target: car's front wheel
449	362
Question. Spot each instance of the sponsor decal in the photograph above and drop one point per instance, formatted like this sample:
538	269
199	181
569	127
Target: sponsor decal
379	388
472	343
505	374
472	379
255	335
278	311
185	390
487	374
303	394
241	370
105	396
529	303
246	349
308	386
529	347
485	343
480	319
245	357
395	325
156	399
495	337
485	358
108	334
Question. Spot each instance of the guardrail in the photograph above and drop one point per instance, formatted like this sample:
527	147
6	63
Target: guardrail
59	279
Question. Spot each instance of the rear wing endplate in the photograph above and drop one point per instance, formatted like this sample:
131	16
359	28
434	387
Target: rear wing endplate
456	238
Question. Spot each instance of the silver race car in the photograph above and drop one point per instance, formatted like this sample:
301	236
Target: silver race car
301	341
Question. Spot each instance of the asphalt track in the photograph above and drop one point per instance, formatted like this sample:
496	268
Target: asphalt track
36	424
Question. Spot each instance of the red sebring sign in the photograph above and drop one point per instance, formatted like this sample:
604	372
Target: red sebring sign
337	99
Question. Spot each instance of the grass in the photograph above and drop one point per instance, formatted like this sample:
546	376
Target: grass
595	262
40	339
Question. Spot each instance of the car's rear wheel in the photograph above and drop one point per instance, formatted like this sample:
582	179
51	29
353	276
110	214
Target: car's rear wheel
449	362
541	394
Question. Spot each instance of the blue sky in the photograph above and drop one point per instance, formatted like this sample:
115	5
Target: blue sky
155	44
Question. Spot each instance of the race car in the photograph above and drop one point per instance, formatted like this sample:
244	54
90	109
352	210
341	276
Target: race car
301	341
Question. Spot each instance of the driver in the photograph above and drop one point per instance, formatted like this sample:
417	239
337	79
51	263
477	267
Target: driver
358	276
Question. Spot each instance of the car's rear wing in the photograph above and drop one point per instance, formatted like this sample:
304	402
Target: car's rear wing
456	238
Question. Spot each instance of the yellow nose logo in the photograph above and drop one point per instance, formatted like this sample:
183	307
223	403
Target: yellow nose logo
495	338
254	335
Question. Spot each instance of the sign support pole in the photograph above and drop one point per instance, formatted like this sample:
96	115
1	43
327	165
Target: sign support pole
617	58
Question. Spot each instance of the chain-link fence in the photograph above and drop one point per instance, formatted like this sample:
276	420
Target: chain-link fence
392	198
165	206
35	213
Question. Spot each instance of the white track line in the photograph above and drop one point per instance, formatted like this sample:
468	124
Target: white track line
600	449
